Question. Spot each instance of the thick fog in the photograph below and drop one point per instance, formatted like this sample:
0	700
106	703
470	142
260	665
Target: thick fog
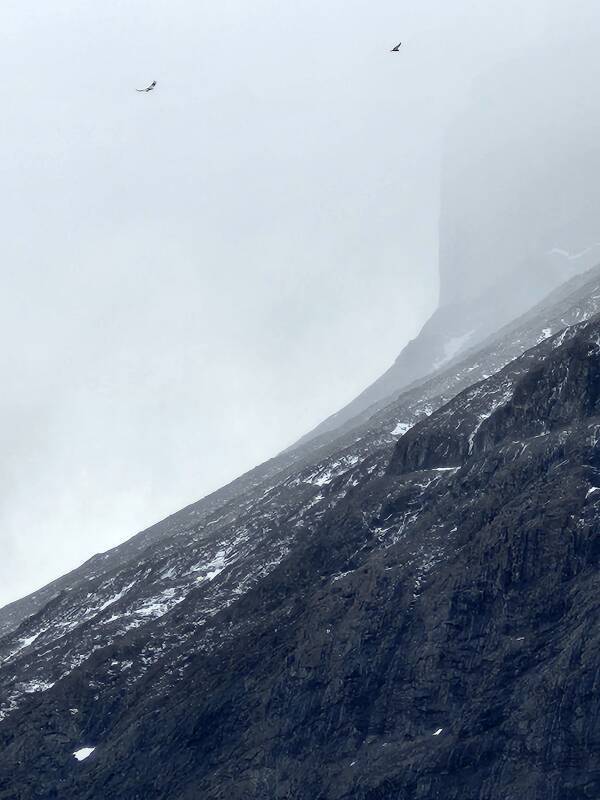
521	196
194	277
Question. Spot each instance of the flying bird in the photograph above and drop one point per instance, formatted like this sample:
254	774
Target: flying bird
395	49
148	88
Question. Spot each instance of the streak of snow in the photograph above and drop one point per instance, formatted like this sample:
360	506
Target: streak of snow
557	251
342	575
325	474
545	334
28	640
36	686
210	569
401	428
156	607
557	342
22	644
167	574
115	597
496	404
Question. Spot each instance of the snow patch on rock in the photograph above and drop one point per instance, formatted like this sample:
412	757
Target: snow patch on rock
83	753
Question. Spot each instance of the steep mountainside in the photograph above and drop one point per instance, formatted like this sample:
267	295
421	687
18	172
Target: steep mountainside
450	332
377	426
402	610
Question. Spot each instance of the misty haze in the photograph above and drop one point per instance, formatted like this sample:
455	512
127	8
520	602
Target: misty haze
301	418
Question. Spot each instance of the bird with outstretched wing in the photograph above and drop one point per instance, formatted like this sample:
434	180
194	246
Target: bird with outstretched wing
148	88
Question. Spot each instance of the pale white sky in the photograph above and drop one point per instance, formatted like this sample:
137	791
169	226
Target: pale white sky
195	277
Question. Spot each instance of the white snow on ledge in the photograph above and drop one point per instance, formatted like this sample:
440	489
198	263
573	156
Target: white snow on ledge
401	428
545	334
82	754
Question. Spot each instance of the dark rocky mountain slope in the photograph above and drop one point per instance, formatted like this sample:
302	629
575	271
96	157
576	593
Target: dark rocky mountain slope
405	610
378	426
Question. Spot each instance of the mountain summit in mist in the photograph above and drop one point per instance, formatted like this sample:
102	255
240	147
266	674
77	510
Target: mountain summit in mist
519	212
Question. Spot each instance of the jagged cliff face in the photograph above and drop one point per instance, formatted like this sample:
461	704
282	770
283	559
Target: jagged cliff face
404	609
520	196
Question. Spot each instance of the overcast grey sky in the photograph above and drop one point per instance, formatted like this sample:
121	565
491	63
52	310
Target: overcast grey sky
195	277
